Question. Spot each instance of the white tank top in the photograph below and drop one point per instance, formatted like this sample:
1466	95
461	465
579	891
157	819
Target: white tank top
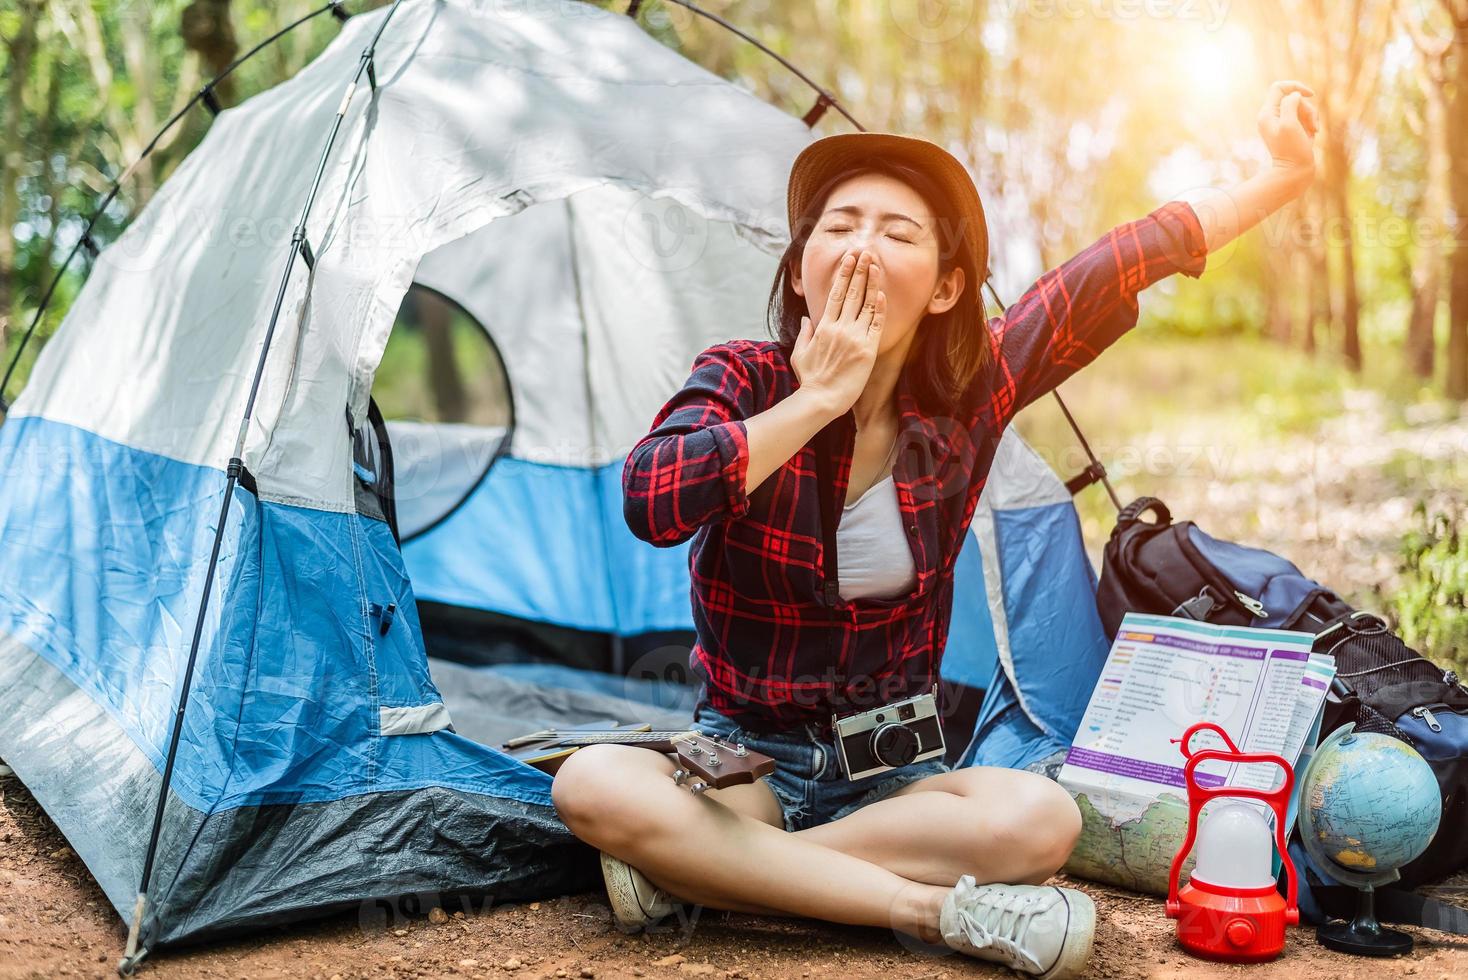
873	558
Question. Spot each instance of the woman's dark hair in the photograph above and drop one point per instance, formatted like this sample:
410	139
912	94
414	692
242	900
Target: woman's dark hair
952	347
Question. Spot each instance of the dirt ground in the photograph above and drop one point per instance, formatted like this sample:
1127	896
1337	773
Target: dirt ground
55	922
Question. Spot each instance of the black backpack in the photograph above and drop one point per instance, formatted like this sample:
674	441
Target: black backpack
1385	686
1175	569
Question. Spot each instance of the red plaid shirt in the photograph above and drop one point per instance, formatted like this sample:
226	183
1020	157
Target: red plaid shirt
767	650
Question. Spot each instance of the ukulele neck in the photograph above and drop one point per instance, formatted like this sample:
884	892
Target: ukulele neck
650	739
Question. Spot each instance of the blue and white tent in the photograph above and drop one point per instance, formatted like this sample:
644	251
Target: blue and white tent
606	209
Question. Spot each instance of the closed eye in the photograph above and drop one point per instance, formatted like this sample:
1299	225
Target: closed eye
833	229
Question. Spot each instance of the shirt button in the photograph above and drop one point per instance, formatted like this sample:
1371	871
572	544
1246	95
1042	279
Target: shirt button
912	530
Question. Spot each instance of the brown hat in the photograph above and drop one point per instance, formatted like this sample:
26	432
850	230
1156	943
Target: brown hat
826	157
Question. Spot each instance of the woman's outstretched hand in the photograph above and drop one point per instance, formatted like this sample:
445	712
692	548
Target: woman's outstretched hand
834	358
1288	122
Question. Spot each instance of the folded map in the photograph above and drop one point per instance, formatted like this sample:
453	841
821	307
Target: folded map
1164	674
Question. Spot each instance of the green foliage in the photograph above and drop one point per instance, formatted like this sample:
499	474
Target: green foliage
409	384
1164	412
1431	605
75	136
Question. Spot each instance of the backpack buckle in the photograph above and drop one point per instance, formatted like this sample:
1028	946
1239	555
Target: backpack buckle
1198	607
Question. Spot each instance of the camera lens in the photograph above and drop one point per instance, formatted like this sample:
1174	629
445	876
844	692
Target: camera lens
894	744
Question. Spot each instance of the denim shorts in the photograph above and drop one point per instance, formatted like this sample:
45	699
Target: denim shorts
808	781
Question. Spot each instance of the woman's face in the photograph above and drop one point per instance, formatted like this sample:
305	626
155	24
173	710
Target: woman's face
885	216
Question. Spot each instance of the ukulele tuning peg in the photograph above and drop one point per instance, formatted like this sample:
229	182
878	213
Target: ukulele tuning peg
679	776
740	750
698	788
712	761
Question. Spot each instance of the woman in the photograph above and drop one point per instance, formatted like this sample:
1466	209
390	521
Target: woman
883	347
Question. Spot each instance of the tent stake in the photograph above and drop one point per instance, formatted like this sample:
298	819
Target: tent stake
130	957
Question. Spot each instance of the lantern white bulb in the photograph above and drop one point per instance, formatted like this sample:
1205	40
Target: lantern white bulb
1235	848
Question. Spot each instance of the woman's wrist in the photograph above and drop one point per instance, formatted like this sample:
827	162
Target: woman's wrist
1294	179
1224	214
820	406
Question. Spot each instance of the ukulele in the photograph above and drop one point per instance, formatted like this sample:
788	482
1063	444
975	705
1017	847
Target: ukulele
704	762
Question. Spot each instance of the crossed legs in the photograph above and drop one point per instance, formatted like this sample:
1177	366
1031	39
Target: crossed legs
889	864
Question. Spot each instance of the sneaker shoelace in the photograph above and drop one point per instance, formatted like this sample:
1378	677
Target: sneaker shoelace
998	918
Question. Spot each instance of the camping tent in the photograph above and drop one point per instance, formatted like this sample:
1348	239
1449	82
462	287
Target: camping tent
509	157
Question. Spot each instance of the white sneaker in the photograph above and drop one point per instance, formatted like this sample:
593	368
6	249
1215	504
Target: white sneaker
636	902
1039	929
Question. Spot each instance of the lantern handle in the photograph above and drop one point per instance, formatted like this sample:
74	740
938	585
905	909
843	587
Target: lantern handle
1184	744
1278	800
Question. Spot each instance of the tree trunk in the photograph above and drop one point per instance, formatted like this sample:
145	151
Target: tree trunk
208	32
1338	182
1427	263
1457	378
1301	327
45	148
1321	314
1279	294
1457	354
437	320
18	70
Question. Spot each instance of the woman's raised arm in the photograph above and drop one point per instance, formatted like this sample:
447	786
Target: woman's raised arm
1078	309
1287	123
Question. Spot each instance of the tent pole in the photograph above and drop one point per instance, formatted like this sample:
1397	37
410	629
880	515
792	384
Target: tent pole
299	247
826	97
1096	472
205	95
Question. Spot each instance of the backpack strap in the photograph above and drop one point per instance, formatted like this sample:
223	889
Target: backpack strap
1320	609
1140	506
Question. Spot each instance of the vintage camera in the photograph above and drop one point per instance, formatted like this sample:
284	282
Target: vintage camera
889	736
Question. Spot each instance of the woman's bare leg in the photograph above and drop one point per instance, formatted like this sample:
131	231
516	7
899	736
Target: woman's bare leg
622	800
1002	825
999	825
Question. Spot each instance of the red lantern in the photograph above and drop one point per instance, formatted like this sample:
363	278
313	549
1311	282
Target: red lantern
1230	909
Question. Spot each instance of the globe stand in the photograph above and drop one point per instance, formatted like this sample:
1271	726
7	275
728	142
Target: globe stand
1363	935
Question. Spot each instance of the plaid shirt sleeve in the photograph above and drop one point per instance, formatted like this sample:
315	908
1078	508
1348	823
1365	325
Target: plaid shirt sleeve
690	469
1078	309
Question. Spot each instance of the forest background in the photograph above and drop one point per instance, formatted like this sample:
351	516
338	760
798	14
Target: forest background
1307	394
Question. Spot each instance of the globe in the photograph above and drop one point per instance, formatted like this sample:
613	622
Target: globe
1369	803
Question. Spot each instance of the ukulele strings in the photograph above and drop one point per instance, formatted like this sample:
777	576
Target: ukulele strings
617	737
